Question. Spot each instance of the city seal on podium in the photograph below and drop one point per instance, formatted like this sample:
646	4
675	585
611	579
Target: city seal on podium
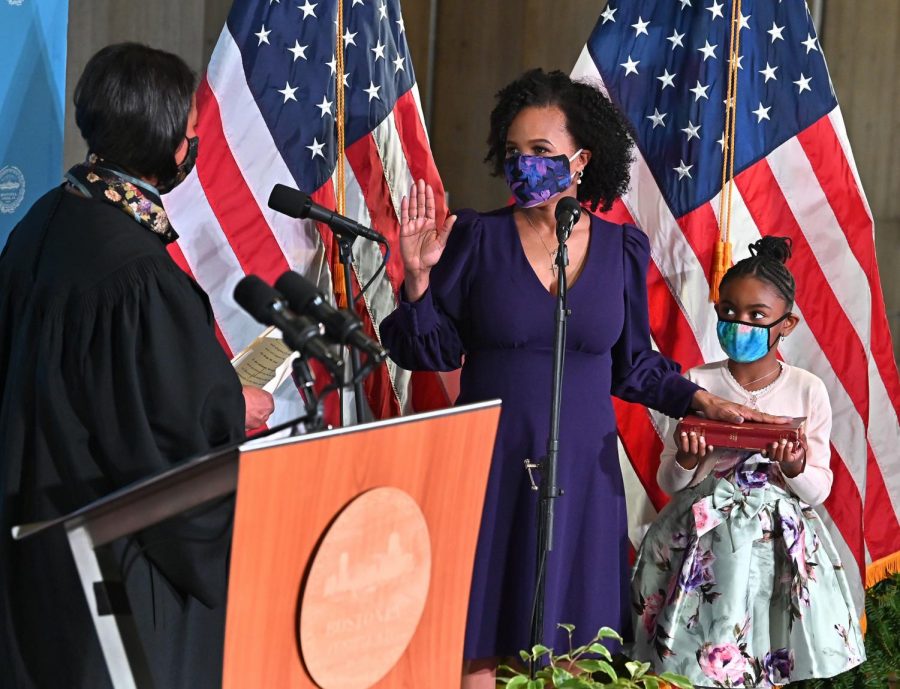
366	590
12	189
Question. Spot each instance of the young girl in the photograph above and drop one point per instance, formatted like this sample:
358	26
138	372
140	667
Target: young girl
737	583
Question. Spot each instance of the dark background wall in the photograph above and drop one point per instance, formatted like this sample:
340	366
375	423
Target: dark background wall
477	46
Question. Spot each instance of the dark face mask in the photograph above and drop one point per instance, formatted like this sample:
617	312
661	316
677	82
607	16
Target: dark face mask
184	168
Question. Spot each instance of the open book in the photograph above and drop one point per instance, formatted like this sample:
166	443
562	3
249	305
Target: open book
266	362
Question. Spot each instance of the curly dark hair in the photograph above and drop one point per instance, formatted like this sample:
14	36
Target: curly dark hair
767	262
593	121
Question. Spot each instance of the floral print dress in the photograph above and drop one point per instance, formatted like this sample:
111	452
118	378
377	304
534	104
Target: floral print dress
738	584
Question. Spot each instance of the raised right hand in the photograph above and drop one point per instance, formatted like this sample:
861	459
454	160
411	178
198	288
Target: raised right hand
421	240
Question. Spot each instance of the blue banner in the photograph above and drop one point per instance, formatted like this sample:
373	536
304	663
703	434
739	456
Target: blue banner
32	107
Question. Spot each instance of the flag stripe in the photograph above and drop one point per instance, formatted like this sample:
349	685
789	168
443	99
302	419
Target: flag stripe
639	439
211	259
414	139
845	507
835	175
367	166
233	204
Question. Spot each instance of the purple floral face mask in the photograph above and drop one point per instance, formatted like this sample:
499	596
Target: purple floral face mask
536	179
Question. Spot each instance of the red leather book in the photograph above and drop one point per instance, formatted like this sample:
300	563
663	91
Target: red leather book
742	436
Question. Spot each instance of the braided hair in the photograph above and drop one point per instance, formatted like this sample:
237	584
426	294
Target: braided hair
591	119
767	262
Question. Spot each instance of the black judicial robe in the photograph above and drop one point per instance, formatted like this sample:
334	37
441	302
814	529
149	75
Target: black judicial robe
109	372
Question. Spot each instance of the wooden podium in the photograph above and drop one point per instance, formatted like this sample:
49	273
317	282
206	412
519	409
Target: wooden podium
352	553
292	498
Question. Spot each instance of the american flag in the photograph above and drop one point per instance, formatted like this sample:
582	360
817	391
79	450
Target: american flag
665	64
267	115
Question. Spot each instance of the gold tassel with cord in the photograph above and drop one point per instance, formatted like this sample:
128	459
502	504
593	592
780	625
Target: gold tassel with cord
721	264
337	281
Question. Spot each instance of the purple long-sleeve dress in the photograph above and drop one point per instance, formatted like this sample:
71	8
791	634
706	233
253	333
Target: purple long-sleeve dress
485	302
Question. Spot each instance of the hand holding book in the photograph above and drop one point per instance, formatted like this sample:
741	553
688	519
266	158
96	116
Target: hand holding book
784	442
692	448
791	455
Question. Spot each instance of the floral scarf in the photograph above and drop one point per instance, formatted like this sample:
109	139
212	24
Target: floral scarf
98	179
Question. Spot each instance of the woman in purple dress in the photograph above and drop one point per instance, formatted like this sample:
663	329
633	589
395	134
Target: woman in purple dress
481	286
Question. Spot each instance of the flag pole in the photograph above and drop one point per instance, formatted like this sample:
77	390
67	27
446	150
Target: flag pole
342	269
722	249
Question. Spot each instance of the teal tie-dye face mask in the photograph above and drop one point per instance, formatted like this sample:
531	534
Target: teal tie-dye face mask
746	342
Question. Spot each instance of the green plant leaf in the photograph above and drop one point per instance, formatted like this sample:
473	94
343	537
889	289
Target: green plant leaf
568	627
637	669
650	682
600	650
513	672
579	683
524	656
593	665
539	651
560	675
517	681
608	633
679	681
535	684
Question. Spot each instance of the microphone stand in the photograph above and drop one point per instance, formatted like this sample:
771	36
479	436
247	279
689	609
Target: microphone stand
345	253
549	489
305	382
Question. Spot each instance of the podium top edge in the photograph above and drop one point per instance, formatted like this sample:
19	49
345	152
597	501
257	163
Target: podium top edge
267	443
216	457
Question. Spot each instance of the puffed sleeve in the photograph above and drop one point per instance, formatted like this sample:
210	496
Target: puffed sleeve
814	484
639	373
430	334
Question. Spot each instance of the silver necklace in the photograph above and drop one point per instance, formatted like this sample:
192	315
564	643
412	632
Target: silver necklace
754	395
551	254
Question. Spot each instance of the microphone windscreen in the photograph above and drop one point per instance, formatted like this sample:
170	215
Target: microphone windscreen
299	291
256	298
288	201
568	205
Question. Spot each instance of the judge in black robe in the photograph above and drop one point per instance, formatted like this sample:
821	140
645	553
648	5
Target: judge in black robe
110	372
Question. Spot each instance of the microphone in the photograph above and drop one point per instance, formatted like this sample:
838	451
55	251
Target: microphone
568	210
268	307
340	324
297	204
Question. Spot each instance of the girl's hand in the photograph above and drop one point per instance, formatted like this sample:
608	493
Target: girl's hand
789	455
421	241
691	449
714	407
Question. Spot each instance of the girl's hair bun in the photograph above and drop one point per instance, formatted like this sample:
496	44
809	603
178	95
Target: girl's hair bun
775	248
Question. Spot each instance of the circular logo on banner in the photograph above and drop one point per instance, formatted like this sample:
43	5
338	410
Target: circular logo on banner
12	188
366	590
